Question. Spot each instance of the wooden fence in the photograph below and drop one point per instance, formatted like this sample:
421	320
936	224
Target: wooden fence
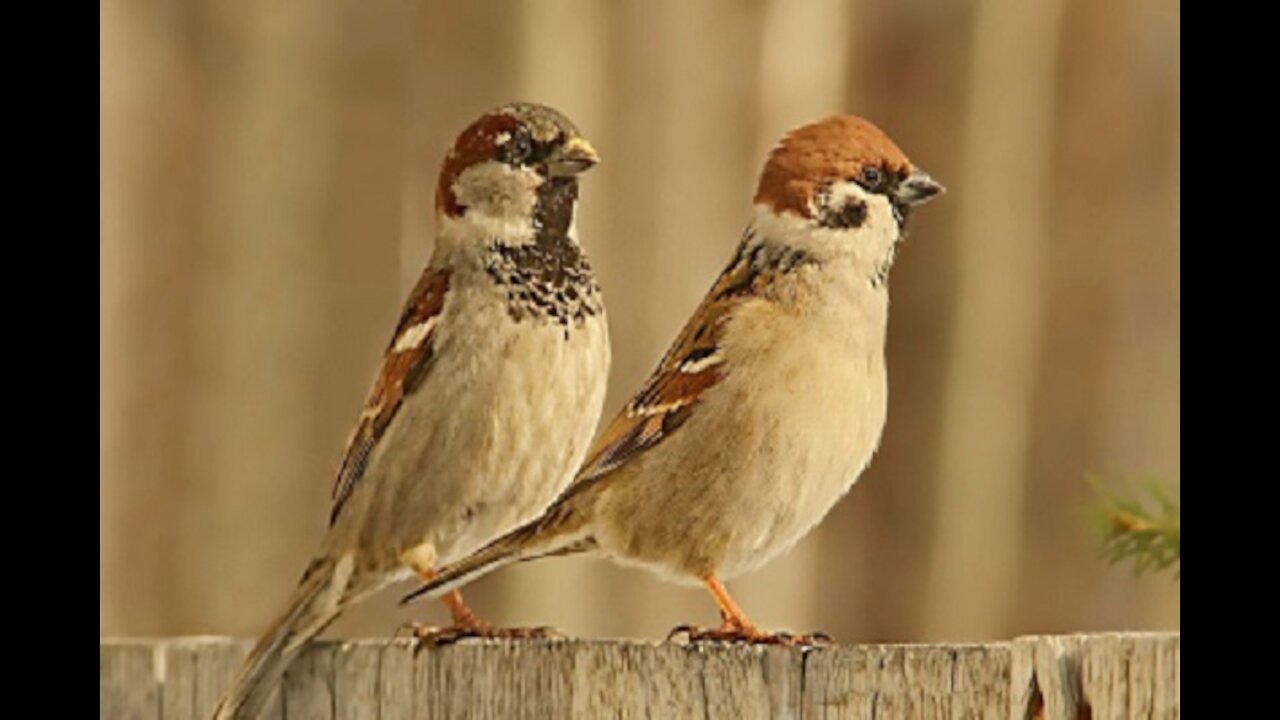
1070	677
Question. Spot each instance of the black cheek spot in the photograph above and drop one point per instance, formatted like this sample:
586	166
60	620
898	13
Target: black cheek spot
850	215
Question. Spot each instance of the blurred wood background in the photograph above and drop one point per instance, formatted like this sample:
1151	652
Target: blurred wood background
265	202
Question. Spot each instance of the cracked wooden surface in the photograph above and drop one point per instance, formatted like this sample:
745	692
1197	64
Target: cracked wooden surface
1073	676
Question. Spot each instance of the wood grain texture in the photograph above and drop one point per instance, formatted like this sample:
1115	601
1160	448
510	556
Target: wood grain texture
1113	675
1067	677
129	684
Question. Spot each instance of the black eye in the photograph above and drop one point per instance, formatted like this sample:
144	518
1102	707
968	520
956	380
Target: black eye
871	178
517	149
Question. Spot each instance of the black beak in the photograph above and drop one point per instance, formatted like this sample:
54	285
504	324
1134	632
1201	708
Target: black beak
575	156
917	188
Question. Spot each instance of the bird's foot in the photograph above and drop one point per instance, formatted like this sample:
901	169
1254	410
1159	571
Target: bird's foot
426	636
732	633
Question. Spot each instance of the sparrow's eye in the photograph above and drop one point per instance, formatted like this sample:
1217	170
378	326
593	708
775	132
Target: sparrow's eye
517	149
871	177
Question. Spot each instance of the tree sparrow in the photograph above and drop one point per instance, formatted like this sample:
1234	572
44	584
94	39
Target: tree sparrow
488	393
772	399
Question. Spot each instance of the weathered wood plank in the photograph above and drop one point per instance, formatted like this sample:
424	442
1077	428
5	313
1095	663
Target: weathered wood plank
1067	677
1131	675
495	680
309	684
980	685
213	665
1045	677
128	685
357	668
627	680
1113	675
903	681
748	683
397	677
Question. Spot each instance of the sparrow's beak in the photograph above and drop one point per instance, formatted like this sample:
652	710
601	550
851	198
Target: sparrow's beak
917	188
575	156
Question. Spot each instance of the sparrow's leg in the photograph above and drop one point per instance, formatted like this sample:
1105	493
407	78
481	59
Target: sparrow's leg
466	624
735	627
463	616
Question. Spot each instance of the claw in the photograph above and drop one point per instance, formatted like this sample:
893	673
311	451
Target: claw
747	635
414	631
687	629
440	637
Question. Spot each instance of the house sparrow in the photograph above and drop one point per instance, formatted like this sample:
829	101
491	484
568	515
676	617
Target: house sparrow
772	399
488	393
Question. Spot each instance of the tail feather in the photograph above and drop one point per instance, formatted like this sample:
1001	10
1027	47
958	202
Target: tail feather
552	534
317	602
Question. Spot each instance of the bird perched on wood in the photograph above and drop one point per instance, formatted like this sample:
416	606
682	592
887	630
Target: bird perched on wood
488	394
772	399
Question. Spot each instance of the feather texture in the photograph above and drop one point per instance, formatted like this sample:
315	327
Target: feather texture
690	367
407	358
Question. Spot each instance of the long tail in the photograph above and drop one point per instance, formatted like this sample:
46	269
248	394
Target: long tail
317	602
560	531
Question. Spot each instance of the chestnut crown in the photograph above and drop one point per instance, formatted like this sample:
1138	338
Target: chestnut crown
517	136
842	148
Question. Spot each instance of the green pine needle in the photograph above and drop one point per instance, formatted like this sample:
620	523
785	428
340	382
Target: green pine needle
1142	525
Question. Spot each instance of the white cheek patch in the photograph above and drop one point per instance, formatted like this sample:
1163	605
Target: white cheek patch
879	226
868	246
842	193
413	336
881	222
497	190
502	138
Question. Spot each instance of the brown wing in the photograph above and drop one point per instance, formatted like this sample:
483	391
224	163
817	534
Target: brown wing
690	367
407	357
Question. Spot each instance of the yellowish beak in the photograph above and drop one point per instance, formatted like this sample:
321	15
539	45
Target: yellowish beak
575	156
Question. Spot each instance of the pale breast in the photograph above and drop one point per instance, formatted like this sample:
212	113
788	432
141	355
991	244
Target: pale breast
820	382
776	443
495	431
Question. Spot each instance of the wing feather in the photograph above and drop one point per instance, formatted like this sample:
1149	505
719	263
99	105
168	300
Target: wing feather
692	366
407	358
